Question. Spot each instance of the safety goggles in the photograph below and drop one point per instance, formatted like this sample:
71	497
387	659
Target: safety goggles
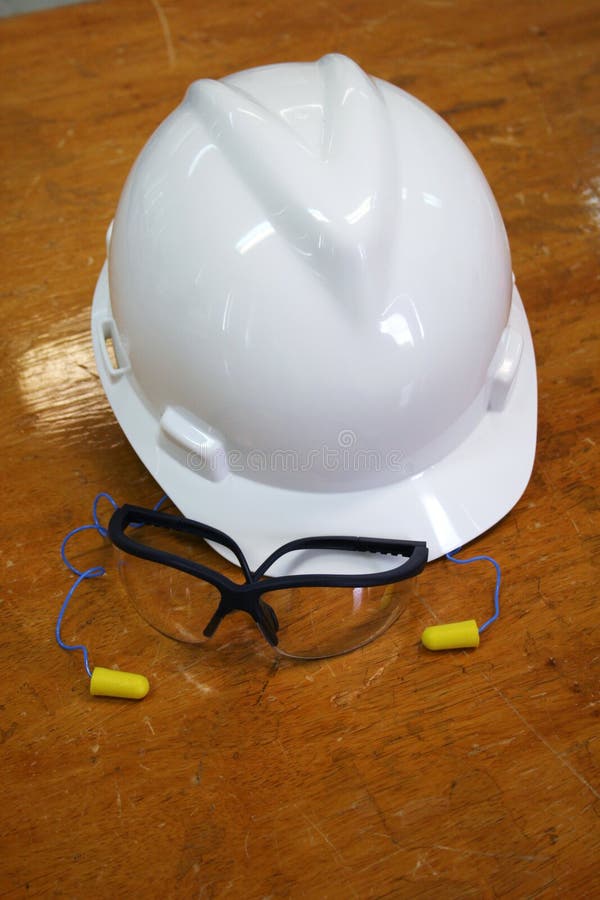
187	598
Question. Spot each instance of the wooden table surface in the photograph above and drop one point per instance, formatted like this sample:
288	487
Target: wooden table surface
391	772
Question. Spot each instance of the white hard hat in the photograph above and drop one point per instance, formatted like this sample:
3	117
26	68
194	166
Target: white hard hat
315	328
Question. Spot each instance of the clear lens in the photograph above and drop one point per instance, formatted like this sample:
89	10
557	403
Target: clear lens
173	602
315	623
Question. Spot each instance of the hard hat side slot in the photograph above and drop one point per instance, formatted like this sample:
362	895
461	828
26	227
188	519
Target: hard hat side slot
113	353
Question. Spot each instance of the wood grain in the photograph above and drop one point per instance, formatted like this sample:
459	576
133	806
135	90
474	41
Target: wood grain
387	773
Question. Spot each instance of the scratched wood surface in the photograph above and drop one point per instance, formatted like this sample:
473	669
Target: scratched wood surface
390	772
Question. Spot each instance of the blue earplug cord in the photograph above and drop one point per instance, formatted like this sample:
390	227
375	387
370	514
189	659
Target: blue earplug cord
472	559
92	572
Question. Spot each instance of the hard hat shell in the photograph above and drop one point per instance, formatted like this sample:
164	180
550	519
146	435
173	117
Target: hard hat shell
309	296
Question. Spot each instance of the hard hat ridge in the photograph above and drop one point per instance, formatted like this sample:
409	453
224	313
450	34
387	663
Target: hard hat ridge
334	199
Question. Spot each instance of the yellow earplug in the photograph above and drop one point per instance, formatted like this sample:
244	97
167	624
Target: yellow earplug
453	636
112	683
